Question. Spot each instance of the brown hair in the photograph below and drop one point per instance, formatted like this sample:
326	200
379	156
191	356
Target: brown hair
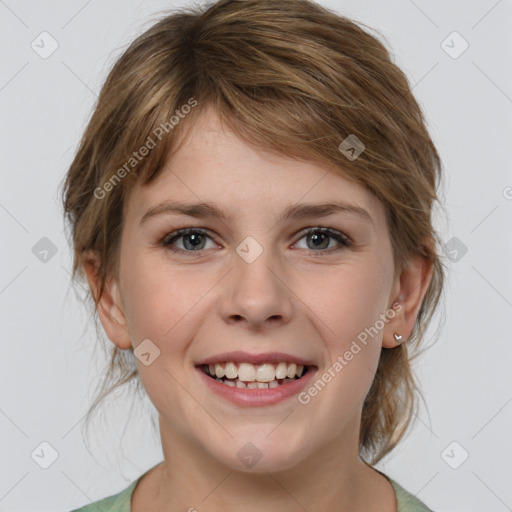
290	77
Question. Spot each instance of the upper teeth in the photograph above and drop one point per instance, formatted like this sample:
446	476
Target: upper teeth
248	372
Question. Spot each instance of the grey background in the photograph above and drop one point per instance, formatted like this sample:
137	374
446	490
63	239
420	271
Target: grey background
49	364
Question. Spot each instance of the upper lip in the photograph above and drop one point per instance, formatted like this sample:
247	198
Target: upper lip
245	357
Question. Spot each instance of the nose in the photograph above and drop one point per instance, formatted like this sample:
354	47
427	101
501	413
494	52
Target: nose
257	293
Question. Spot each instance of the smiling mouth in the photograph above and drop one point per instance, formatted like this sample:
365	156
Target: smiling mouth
246	375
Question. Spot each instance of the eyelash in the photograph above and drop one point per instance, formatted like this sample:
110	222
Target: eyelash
344	240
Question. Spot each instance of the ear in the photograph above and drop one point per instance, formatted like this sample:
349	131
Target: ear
110	306
408	290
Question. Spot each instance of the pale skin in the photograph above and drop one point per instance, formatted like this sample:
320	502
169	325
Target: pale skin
295	298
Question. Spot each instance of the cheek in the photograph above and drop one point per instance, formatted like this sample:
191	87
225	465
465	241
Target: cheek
346	300
160	299
345	316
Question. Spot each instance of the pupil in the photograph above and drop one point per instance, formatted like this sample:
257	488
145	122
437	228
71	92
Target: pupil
193	237
316	236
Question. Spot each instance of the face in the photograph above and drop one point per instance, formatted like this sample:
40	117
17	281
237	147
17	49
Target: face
259	283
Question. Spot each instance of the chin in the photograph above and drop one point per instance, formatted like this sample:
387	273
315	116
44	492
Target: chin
257	454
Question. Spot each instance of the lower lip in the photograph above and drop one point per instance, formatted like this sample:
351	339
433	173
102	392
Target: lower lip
257	397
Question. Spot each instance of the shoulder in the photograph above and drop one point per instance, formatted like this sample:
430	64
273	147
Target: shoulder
119	502
407	502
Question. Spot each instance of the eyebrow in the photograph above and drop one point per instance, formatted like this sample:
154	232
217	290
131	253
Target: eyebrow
294	211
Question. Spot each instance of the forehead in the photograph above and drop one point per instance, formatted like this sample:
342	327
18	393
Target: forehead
213	165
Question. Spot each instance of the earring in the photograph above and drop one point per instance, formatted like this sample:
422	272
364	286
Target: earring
398	338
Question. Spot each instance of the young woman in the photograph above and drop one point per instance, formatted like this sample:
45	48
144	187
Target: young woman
251	206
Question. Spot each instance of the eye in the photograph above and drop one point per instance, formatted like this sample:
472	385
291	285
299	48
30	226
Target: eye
320	239
193	240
